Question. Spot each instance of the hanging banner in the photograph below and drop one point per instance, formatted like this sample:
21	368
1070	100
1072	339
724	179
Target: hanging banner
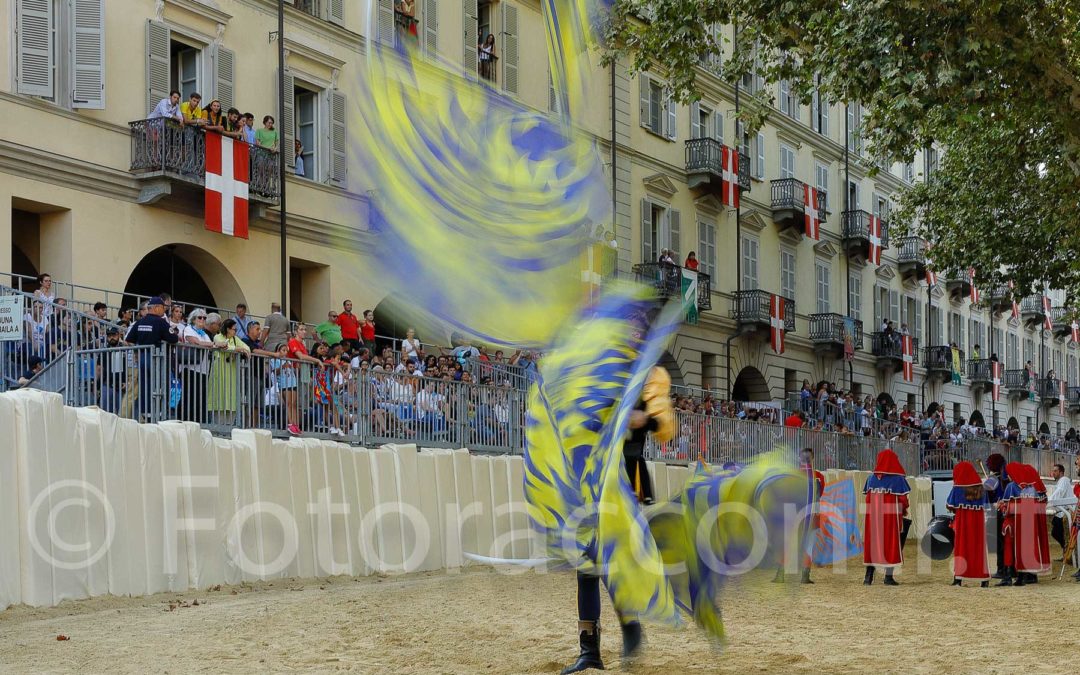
689	294
849	338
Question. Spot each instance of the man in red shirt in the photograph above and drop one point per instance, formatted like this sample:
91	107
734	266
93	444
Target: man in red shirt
796	419
350	325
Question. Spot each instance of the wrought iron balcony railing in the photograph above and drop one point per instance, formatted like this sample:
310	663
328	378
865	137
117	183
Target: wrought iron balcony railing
668	280
1031	308
940	358
1072	397
856	227
1017	380
1049	389
999	297
161	147
891	346
749	307
912	250
1061	318
787	193
706	155
831	329
980	371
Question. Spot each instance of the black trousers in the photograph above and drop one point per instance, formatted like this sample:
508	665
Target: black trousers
638	471
1057	530
1000	549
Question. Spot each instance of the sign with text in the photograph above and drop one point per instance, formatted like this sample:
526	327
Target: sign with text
11	319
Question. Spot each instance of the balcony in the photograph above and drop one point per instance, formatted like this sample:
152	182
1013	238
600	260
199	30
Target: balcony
171	159
1049	391
1017	382
911	258
939	361
705	165
830	334
1031	310
958	286
980	374
668	281
856	233
751	311
1072	399
889	352
1062	319
789	204
999	297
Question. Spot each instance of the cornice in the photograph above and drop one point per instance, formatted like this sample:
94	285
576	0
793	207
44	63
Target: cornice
207	9
661	184
342	35
312	53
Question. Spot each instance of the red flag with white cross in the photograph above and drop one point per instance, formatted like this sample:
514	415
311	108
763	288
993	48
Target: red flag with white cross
909	357
995	379
875	240
811	212
776	323
974	295
1048	324
226	185
729	178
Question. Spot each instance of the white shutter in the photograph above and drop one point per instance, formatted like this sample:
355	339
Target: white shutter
158	36
336	12
384	22
672	124
88	55
644	100
469	60
35	46
647	254
339	165
431	27
718	126
824	105
815	107
761	155
785	91
673	232
510	48
877	308
224	76
287	125
917	329
894	305
695	120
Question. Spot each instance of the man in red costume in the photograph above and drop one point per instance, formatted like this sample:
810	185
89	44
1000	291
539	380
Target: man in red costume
968	504
886	517
1025	555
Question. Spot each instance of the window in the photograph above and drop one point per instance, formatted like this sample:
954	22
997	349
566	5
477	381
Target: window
854	131
749	263
707	248
317	119
713	60
909	172
936	317
1029	351
327	10
706	122
659	230
744	143
186	76
821	182
759	153
821	272
787	272
853	196
931	162
855	294
657	110
787	162
880	207
307	114
996	344
886	306
819	113
60	51
753	82
510	46
956	329
789	104
180	62
1012	352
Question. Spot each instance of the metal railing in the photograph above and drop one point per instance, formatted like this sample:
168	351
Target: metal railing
1049	389
940	357
912	250
705	155
754	307
890	345
787	193
307	6
164	147
980	371
1061	319
667	279
832	329
1017	379
1031	308
855	224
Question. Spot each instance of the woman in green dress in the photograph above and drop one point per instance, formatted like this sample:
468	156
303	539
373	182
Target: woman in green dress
223	387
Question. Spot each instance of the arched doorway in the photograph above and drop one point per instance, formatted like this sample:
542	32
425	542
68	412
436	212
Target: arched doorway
750	385
976	420
187	273
1013	423
394	316
1044	429
886	399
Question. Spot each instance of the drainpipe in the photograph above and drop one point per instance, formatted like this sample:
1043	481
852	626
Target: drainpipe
738	225
613	162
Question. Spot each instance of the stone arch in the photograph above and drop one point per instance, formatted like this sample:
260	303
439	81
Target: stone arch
672	365
977	420
750	385
1013	423
190	274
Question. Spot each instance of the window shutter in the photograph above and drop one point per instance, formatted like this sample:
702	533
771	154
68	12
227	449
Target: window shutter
673	231
815	107
718	126
157	63
785	89
431	27
672	123
917	329
35	47
88	55
824	105
287	125
339	166
894	306
224	76
644	97
385	22
553	100
510	48
469	60
877	308
761	155
336	12
695	120
647	254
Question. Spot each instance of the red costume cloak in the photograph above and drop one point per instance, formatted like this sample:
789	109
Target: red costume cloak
970	559
1025	516
886	505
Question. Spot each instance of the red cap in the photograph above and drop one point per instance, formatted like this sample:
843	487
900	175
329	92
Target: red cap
889	463
1017	473
1036	479
965	475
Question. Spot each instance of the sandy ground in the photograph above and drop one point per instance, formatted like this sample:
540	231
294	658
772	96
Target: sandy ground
481	621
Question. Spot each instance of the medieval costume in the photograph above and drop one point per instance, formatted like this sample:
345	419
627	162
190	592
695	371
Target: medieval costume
1025	556
886	517
994	491
815	488
968	503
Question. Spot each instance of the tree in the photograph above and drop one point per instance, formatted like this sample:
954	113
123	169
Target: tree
995	83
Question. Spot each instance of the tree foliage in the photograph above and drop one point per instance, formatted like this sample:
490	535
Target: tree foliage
995	83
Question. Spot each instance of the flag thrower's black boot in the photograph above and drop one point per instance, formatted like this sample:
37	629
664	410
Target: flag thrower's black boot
631	639
869	578
589	634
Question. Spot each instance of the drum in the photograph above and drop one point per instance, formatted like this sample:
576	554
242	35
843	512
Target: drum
938	540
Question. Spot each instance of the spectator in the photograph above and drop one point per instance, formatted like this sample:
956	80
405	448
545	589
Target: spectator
233	126
795	420
194	366
267	137
329	331
367	330
37	326
691	261
34	366
276	330
248	128
176	318
298	152
299	353
223	394
286	381
169	108
45	293
486	51
242	320
213	324
350	327
410	347
113	374
191	112
975	352
151	330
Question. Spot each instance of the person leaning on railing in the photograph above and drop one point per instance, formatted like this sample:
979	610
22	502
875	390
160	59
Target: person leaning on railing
191	112
169	108
152	330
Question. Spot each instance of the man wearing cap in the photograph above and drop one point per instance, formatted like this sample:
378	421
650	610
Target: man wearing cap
113	373
149	331
886	517
968	504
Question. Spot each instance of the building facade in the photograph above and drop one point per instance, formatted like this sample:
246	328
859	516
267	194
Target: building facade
83	202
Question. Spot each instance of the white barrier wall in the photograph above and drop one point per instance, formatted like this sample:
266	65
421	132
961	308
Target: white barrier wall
91	504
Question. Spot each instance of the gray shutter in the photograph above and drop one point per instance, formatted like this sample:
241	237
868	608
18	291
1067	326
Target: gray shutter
158	36
385	22
761	155
336	12
553	101
35	47
673	232
338	140
510	48
877	308
431	27
894	306
287	124
224	76
644	98
647	255
917	329
718	126
468	61
88	54
672	122
695	122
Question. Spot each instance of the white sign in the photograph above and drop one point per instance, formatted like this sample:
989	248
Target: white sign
11	318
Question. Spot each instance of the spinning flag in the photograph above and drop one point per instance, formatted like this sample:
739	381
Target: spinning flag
838	535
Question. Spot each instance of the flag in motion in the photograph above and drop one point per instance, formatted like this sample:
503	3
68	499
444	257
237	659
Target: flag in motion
875	240
1074	330
226	186
776	323
995	375
838	532
908	353
812	213
1012	297
729	178
1048	324
974	294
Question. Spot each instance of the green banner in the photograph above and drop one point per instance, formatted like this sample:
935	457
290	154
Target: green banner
689	294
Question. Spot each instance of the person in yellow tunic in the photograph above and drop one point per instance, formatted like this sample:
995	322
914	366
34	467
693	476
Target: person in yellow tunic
223	387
